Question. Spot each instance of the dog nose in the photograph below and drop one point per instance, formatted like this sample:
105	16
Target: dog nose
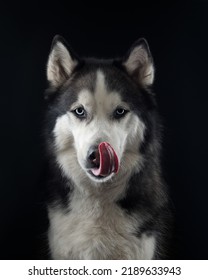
93	157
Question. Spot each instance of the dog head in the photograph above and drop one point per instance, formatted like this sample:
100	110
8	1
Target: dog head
98	111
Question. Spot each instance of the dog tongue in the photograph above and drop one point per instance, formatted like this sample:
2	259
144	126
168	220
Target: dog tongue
108	160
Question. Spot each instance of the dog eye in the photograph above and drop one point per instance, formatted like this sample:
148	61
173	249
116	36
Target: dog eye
119	113
80	112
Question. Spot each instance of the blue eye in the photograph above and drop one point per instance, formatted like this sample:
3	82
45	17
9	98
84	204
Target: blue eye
120	112
80	112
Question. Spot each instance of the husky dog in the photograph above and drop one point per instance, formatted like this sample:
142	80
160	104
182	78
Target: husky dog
107	198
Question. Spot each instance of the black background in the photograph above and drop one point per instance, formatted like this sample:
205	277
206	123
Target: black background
177	35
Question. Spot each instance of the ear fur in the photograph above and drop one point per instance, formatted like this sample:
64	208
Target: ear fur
139	63
61	62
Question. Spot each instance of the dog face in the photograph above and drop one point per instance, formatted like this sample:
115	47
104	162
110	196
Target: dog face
97	109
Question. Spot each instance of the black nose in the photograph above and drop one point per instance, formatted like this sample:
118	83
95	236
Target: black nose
93	157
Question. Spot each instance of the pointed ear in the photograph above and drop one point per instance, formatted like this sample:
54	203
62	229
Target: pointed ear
61	62
139	63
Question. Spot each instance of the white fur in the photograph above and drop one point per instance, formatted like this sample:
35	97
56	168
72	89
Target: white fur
95	227
148	243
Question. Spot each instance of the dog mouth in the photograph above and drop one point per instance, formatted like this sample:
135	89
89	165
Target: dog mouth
105	161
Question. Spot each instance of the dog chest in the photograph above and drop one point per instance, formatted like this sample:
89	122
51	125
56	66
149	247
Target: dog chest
92	230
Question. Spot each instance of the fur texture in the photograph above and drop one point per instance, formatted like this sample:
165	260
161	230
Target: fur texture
119	216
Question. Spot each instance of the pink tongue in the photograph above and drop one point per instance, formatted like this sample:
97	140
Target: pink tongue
108	160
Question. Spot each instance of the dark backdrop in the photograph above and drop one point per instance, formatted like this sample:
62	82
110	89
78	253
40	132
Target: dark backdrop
177	36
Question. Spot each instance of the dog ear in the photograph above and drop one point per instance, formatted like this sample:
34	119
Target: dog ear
139	63
61	62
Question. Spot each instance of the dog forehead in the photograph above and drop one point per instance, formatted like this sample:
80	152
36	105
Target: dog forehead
99	94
